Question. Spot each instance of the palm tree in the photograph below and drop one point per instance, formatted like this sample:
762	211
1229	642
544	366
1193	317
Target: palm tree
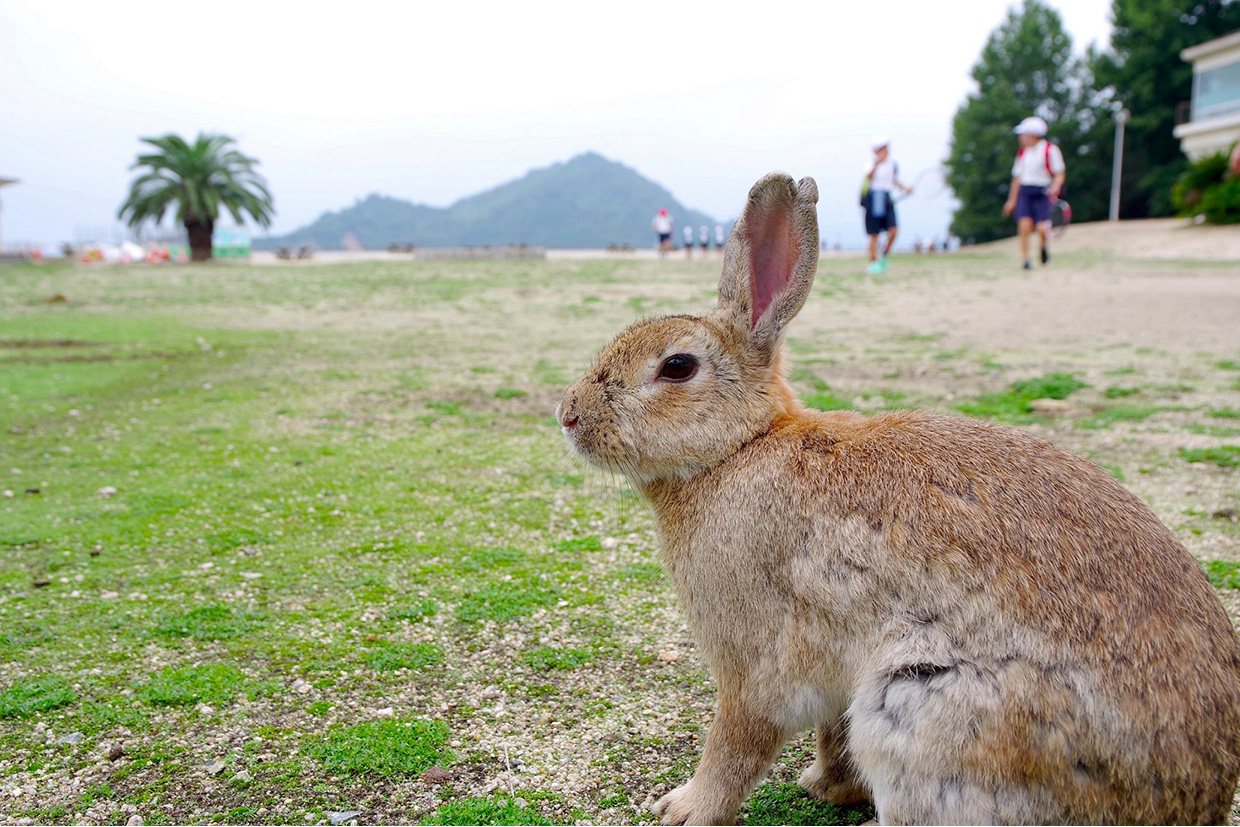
198	178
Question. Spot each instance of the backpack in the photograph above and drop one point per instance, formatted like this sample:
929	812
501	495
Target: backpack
1047	161
865	185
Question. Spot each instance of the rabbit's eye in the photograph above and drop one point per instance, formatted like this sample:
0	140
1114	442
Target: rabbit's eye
679	368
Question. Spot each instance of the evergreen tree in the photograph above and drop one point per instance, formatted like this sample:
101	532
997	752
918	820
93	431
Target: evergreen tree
1143	71
1026	68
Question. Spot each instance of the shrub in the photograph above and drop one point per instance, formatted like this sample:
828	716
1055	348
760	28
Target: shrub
1209	189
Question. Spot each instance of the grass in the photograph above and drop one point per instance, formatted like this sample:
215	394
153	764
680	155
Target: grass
1223	574
497	809
546	659
1224	456
213	684
384	748
789	804
1016	403
274	503
26	698
216	622
403	656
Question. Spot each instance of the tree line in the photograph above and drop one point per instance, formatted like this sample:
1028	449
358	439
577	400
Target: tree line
1028	66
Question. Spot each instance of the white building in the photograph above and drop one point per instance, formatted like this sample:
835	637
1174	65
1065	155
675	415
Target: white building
1214	122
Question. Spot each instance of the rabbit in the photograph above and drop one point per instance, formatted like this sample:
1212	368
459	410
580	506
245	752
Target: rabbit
981	627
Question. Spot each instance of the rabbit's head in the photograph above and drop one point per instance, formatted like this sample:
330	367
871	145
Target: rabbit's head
672	396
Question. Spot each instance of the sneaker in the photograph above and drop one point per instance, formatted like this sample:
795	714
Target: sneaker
1026	265
882	264
1046	254
875	268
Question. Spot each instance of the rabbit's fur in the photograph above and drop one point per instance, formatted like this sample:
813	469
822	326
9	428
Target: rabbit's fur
983	628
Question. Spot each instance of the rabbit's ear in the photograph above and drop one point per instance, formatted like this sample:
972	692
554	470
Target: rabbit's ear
770	259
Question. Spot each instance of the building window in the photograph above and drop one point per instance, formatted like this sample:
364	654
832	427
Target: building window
1216	92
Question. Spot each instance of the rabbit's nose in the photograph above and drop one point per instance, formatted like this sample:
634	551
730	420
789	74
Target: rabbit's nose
566	413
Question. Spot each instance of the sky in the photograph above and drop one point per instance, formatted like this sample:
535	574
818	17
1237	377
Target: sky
433	102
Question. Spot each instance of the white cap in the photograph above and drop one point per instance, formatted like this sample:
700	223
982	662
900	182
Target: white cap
1031	126
879	141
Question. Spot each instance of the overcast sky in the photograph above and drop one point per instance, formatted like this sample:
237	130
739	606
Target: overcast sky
432	102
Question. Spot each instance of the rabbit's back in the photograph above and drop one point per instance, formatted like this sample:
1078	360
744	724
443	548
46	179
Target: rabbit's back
1002	612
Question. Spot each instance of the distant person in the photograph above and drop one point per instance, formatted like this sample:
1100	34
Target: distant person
688	236
719	238
704	240
1234	163
1037	178
880	211
663	226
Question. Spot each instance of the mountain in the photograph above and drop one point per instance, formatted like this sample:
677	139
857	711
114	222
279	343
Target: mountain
585	202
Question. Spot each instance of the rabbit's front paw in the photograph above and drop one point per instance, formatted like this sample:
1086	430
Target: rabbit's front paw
684	805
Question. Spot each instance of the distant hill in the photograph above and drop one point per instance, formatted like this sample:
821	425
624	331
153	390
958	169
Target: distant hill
585	202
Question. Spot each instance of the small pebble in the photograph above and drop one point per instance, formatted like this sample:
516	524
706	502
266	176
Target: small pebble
436	775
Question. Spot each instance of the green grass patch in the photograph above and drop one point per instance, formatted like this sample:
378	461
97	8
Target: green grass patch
498	809
27	697
384	748
501	602
1120	393
1118	413
1224	456
213	683
215	622
643	572
488	558
826	402
1016	404
393	656
1050	386
510	393
415	610
580	544
18	635
547	659
789	804
1223	574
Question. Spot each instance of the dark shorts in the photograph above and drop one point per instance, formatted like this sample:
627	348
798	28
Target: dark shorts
1031	202
878	224
664	237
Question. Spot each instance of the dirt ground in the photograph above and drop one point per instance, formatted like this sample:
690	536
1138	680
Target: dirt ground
1148	304
1146	313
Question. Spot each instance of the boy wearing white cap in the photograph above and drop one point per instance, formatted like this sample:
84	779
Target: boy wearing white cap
880	211
1037	178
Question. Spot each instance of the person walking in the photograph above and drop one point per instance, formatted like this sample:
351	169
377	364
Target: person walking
882	177
663	226
1037	179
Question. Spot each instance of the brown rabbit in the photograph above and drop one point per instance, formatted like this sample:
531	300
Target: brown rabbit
983	628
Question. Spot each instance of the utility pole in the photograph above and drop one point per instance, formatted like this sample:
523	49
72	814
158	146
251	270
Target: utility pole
5	182
1117	166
